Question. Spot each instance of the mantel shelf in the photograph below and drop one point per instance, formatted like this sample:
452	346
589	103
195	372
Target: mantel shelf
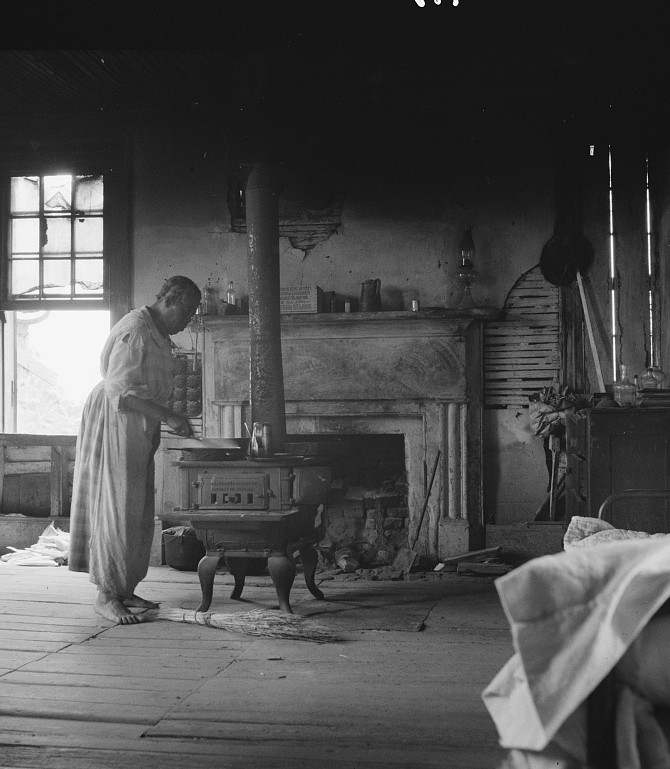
326	318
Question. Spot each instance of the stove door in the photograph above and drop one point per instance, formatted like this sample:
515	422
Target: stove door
230	490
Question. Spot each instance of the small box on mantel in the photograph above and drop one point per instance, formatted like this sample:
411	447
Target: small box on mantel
300	299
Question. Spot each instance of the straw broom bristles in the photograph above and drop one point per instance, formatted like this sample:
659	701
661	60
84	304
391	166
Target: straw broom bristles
258	622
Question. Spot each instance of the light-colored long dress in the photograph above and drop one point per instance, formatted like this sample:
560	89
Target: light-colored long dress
112	512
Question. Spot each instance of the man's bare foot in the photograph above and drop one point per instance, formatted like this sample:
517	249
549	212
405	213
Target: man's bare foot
112	608
140	603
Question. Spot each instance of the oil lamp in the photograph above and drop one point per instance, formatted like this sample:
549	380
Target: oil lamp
466	271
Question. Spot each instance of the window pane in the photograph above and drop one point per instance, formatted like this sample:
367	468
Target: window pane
88	235
25	236
58	236
25	195
57	193
57	277
24	277
88	195
88	274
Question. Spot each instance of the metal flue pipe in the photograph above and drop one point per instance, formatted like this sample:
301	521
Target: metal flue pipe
266	379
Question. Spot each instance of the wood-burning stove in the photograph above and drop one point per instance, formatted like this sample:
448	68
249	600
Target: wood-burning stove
262	506
246	509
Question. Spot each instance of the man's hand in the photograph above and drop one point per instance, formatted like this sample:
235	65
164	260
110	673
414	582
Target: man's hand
179	425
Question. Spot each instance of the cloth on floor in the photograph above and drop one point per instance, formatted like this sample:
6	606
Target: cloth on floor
586	532
572	615
51	549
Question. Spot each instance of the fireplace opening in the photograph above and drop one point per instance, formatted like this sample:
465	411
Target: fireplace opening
366	514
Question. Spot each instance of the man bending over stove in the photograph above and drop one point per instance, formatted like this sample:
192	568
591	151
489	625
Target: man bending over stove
112	514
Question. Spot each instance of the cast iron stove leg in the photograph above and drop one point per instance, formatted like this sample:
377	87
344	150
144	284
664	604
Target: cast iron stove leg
282	571
238	568
206	572
309	559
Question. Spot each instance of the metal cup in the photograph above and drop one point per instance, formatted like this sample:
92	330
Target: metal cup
266	440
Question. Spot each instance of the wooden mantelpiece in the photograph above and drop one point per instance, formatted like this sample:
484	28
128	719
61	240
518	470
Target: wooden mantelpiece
413	373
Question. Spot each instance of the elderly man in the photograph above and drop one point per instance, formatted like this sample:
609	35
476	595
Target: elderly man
112	515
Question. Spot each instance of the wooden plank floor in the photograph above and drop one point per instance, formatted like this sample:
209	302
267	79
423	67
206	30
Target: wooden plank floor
400	690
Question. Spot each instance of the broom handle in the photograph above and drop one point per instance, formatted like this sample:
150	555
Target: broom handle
427	497
589	329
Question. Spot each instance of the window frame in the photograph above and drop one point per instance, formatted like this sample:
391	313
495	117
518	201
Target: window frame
112	162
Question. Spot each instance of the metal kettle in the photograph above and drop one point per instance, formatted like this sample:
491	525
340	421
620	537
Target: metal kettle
371	295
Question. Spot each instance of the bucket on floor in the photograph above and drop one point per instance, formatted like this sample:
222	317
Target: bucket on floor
183	549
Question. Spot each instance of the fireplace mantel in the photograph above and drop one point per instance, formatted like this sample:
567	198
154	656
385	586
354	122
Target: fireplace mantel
413	373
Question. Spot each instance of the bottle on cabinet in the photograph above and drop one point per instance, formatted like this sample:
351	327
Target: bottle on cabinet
648	380
624	390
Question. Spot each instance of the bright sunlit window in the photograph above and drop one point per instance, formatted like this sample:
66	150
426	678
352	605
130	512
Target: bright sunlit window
56	362
55	238
651	296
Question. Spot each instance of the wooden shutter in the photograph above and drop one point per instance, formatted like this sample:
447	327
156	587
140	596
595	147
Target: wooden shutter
522	350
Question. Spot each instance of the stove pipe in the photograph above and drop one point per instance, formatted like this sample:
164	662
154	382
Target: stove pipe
266	394
267	186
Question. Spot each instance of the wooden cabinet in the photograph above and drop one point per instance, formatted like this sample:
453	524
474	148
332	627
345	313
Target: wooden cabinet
611	450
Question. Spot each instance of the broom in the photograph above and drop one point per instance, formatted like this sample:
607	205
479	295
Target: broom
259	623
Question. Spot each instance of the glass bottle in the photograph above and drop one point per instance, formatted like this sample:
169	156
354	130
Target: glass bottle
648	380
624	389
210	300
659	375
231	298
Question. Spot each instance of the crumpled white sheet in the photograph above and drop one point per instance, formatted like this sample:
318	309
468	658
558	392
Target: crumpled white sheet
51	549
586	532
572	616
640	740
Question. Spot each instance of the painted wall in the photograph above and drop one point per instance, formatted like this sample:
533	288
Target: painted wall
400	222
402	227
405	206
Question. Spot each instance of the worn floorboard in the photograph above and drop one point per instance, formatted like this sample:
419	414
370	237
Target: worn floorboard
401	690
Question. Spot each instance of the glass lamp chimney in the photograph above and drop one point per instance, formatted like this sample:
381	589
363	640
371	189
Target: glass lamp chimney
467	248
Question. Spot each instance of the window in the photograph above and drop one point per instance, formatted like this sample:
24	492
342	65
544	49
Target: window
64	278
55	248
638	214
65	229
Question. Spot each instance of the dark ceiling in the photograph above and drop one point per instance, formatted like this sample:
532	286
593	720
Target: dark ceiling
377	64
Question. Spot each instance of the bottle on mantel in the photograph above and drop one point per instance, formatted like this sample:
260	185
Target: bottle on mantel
231	298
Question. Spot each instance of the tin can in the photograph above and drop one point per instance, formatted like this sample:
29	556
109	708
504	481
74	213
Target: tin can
267	449
415	305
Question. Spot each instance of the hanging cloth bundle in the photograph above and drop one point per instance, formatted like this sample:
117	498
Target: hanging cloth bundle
568	255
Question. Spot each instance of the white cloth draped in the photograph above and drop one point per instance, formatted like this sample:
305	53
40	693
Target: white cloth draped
572	616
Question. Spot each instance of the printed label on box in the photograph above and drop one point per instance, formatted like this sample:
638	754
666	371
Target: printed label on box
299	299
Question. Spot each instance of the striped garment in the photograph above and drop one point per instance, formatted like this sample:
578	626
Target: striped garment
112	513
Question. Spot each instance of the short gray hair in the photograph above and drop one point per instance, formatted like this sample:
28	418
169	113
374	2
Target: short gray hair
176	287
